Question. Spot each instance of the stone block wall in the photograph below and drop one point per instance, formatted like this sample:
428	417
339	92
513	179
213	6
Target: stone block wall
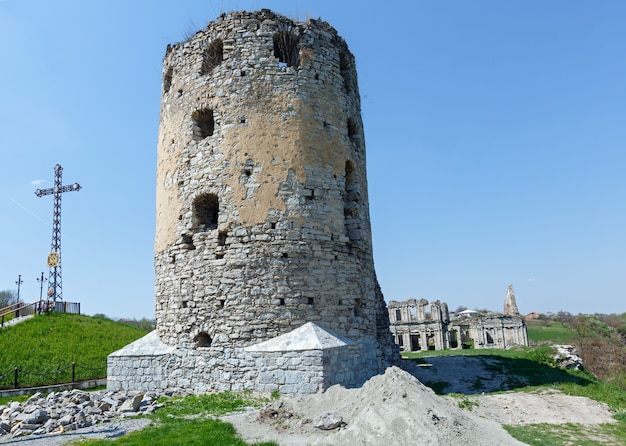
298	372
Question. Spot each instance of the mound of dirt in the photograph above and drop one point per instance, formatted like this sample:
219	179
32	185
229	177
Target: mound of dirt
389	409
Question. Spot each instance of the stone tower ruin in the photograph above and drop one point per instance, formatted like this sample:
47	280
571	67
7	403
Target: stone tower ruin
510	305
263	248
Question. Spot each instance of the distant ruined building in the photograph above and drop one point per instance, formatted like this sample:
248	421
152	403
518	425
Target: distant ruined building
263	251
418	325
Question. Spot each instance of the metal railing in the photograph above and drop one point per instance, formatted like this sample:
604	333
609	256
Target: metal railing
11	379
41	306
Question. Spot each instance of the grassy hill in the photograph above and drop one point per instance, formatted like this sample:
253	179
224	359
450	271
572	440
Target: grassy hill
43	348
549	332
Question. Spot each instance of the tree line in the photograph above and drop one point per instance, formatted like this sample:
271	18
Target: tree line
7	297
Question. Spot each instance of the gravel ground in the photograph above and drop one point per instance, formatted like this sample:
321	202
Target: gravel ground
101	431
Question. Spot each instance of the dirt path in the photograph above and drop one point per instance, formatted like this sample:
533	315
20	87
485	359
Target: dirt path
549	406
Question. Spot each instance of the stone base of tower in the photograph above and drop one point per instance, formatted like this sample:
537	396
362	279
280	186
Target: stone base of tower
306	360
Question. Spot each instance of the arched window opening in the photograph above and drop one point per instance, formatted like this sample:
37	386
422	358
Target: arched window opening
205	211
346	72
358	307
353	130
167	79
415	342
286	48
428	316
349	175
202	340
489	338
204	125
351	205
454	342
212	56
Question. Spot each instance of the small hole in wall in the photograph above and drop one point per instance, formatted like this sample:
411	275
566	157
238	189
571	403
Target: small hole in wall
180	92
281	301
222	302
203	340
309	301
221	238
326	124
188	242
273	225
285	255
242	120
180	217
184	304
339	302
219	256
248	167
317	76
243	73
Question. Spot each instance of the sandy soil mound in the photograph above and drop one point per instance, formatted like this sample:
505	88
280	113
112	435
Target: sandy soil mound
390	409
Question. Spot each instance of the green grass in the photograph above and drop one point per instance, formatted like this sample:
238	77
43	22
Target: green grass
43	348
190	421
552	332
565	434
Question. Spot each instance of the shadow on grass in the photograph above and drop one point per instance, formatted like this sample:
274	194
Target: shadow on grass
488	373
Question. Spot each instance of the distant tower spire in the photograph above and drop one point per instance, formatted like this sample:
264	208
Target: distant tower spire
510	306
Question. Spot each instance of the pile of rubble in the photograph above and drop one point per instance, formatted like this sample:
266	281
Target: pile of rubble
70	410
567	357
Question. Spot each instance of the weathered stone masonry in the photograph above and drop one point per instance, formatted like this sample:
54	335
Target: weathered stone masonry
262	213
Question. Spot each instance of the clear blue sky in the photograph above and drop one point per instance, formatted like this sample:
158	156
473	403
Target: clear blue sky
495	133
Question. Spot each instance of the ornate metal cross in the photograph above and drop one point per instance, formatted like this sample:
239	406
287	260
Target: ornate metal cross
54	258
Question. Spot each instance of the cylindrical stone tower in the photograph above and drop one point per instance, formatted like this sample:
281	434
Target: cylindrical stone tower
262	206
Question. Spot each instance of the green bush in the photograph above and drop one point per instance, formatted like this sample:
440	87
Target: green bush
544	354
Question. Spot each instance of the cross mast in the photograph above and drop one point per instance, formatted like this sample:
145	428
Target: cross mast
54	258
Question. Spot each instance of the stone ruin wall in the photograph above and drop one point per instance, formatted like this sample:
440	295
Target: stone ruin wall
262	206
419	325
